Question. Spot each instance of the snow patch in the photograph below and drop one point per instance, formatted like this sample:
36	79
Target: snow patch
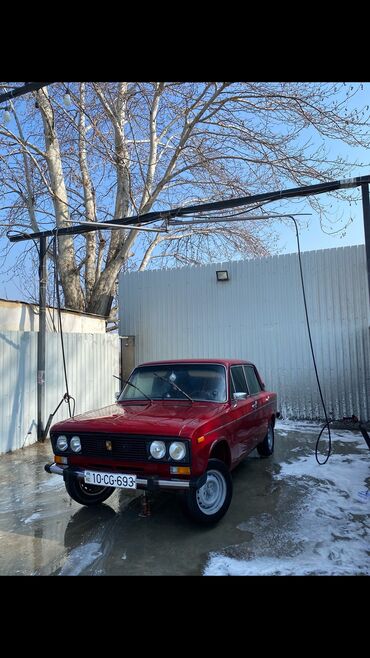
347	472
308	427
327	533
224	566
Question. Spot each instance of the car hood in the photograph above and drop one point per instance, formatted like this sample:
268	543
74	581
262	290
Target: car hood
158	417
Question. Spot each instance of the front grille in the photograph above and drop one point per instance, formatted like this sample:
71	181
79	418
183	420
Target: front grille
128	447
132	448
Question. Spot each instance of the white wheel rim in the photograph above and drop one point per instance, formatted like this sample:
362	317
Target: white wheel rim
211	496
88	490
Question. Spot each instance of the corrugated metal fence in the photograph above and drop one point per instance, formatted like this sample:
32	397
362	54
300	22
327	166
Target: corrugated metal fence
92	360
259	315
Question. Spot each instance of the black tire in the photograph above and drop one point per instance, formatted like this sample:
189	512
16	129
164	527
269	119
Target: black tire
207	506
266	448
87	494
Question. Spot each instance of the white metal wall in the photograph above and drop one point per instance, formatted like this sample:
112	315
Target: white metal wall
259	315
92	360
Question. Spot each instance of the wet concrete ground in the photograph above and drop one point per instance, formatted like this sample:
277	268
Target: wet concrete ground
288	516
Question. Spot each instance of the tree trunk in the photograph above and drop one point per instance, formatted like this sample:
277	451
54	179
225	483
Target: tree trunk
88	191
68	271
104	287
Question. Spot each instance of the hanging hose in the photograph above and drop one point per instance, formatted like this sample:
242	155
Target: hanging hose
327	421
67	397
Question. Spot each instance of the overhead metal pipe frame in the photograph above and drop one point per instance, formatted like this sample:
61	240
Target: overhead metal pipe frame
137	221
21	91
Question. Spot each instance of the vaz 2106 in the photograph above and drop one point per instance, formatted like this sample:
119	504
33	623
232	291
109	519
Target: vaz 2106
178	426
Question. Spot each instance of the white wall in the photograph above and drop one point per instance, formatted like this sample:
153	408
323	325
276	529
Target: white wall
92	360
259	315
19	316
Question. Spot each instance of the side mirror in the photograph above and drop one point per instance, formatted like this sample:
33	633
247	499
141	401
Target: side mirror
117	394
263	386
239	396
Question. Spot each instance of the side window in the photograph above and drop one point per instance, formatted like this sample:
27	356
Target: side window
253	383
238	381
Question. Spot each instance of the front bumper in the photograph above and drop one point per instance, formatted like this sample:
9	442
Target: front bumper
151	483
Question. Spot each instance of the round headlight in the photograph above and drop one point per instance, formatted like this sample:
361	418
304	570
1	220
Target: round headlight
177	450
62	442
157	449
75	444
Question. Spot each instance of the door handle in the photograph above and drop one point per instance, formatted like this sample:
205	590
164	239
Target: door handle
254	404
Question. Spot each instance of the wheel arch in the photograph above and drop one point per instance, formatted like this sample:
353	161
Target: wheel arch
220	450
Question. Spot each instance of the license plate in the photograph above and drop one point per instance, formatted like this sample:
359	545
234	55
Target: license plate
120	480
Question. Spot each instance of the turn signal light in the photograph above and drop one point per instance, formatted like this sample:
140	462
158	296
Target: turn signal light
180	470
60	460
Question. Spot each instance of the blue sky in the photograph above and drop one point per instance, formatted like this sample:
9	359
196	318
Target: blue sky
313	237
347	226
311	234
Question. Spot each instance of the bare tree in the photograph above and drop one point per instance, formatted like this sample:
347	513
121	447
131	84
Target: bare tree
127	148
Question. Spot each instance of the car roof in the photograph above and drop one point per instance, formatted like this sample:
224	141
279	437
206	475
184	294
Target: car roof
224	362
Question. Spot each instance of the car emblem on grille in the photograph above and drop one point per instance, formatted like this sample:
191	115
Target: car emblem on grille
108	445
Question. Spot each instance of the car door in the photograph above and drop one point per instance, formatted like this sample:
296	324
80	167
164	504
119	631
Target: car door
259	420
242	413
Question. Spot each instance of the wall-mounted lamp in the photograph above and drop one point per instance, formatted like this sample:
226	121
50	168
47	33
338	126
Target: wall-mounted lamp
6	116
67	100
222	275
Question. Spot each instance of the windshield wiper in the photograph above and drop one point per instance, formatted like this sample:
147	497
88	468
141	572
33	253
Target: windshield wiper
125	381
168	381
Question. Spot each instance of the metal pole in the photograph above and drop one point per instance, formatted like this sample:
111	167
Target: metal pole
366	216
25	89
41	341
228	204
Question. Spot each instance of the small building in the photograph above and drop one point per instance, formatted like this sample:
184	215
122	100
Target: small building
92	361
23	316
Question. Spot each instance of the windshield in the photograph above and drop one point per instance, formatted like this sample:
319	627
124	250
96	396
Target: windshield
177	382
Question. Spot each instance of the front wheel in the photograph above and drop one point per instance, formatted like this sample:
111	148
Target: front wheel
87	494
266	448
209	503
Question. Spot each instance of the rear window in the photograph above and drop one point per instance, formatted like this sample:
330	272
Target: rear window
238	382
253	383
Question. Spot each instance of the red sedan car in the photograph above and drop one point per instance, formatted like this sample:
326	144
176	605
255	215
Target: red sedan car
177	425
